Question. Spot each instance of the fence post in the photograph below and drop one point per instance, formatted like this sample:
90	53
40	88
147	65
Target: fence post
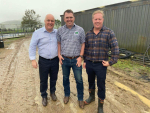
1	40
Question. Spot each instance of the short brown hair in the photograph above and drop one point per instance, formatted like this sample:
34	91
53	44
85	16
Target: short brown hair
68	11
98	11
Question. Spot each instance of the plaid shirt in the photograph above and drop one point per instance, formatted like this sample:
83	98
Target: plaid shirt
71	40
97	46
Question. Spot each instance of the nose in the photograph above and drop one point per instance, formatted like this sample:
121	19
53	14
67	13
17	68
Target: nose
97	20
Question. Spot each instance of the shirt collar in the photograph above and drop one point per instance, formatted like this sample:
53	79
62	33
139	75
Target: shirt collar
67	27
44	30
102	29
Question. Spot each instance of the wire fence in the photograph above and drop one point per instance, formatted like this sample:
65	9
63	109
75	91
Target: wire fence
16	30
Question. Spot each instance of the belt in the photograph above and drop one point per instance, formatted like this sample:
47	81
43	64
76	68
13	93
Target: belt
48	59
71	57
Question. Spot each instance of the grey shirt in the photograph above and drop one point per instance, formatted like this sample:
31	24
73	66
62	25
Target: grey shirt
71	40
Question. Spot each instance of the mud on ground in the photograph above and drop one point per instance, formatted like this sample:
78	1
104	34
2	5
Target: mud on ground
20	93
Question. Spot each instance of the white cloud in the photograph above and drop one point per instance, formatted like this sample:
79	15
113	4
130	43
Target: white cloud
14	9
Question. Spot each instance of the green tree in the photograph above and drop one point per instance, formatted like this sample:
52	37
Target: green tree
30	19
57	23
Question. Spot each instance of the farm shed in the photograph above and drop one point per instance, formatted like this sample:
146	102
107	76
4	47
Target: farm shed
129	20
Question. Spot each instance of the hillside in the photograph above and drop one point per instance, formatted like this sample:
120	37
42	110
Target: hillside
12	22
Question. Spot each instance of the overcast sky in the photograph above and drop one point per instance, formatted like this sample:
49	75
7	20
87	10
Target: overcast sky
15	9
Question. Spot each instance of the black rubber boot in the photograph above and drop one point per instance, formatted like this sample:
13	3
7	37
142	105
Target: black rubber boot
91	97
100	105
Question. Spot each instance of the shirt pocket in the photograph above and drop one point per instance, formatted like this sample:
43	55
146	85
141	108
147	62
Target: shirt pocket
102	42
76	38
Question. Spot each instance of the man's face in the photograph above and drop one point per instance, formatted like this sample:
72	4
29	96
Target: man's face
49	22
98	21
69	19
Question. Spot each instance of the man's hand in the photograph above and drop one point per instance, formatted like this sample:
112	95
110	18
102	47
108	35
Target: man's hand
60	59
84	65
105	63
34	64
79	60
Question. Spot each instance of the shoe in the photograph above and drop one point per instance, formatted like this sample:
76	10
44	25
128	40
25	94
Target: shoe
44	101
100	105
91	97
66	100
81	104
53	96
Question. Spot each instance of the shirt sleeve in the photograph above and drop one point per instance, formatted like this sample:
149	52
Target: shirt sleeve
58	36
32	47
113	44
86	48
82	35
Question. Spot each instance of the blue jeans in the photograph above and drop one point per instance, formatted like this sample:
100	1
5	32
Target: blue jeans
66	66
93	70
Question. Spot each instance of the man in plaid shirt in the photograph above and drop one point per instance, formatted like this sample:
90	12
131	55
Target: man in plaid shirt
97	43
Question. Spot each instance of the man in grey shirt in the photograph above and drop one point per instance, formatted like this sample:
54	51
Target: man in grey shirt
71	43
45	39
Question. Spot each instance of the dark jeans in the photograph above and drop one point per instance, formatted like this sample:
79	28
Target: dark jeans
94	69
51	67
66	66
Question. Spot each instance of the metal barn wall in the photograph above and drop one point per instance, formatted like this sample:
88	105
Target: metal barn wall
129	20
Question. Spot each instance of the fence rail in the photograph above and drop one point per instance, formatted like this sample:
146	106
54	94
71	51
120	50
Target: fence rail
14	30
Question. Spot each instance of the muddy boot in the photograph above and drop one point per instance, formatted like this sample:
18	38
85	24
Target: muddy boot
91	97
100	105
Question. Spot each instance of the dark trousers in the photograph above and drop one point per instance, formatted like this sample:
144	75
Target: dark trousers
94	69
51	67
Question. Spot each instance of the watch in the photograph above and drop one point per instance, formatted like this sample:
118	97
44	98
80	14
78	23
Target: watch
81	56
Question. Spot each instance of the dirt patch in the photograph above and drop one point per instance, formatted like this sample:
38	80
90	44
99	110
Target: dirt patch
20	92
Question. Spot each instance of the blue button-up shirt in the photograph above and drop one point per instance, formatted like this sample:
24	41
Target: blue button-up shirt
46	43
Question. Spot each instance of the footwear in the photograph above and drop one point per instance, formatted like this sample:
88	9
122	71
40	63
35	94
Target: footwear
66	100
91	97
100	105
53	96
44	101
81	104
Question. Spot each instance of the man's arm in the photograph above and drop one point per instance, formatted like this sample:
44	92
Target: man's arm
32	50
85	50
79	59
59	47
113	43
59	53
82	41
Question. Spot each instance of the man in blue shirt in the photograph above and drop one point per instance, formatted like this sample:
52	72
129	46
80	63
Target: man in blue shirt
46	41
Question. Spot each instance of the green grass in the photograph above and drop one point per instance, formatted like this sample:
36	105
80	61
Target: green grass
129	65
